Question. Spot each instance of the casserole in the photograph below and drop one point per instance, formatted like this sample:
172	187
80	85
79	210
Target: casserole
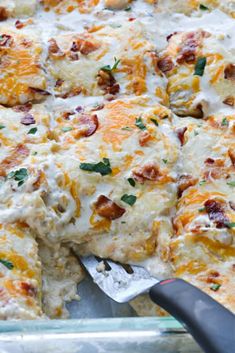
117	136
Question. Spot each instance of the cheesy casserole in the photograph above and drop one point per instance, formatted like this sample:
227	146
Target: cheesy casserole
117	138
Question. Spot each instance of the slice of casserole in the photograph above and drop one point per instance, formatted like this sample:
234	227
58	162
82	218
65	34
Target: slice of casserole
22	76
106	60
20	273
200	68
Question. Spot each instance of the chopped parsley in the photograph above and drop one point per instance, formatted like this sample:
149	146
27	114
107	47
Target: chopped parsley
7	264
196	133
34	153
127	9
155	122
129	199
200	66
2	127
66	128
127	128
19	175
32	131
202	209
139	123
103	168
165	160
131	181
230	224
202	182
111	68
215	287
224	122
231	183
203	7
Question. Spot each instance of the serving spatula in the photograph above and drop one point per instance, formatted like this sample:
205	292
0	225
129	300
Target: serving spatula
210	323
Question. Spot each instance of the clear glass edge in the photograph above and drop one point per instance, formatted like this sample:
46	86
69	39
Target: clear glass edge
163	325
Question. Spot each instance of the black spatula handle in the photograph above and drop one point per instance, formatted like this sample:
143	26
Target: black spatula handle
211	324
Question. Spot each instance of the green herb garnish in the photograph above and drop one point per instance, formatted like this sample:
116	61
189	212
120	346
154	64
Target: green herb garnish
109	68
155	122
215	287
224	122
231	183
200	66
129	199
202	182
32	131
127	128
103	168
2	127
230	224
165	160
19	175
127	9
7	264
131	181
203	7
196	133
202	209
66	128
139	123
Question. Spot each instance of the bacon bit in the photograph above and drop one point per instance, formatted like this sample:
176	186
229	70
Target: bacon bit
79	109
107	208
89	124
131	19
66	115
144	138
165	64
28	119
42	92
209	161
19	24
74	92
215	210
231	154
229	101
171	35
149	171
6	40
59	83
3	13
15	158
229	72
190	42
54	50
232	205
107	82
180	134
24	108
28	289
185	181
211	276
85	47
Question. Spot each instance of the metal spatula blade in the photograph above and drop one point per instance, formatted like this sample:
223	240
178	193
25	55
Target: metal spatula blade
181	299
120	282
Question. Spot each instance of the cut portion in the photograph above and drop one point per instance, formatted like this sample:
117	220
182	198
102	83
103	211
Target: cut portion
22	77
106	60
200	71
20	273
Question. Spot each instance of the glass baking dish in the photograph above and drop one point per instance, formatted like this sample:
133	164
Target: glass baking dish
115	329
